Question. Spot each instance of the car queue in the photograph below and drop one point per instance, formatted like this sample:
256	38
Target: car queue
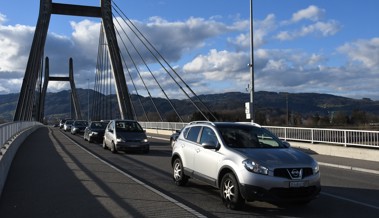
244	161
115	135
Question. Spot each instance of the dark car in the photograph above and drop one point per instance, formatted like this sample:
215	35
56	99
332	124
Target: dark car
124	135
174	136
94	132
78	126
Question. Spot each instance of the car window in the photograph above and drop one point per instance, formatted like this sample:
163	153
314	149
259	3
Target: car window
239	136
208	136
98	125
111	126
126	126
193	133
185	132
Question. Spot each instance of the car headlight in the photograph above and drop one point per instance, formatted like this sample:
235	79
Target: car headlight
144	140
120	140
255	167
316	168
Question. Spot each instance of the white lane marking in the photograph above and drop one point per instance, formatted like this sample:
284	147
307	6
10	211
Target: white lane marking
349	168
185	207
350	200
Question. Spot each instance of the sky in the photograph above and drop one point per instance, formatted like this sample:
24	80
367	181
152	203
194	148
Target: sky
300	46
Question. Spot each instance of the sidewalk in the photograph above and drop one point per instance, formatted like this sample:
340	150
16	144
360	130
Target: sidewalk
52	177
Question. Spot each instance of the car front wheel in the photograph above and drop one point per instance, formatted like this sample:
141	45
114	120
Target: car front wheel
230	194
113	148
179	177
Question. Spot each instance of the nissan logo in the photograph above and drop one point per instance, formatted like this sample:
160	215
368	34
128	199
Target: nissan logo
296	173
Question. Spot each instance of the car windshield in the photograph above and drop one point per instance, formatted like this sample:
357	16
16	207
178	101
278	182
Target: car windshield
245	136
128	126
81	123
98	125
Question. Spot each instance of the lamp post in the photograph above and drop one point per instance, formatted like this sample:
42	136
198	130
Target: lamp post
251	65
88	100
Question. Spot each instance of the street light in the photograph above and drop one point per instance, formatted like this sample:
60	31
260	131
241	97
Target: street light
251	64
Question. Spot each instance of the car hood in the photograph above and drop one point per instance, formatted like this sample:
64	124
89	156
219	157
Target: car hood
132	135
280	157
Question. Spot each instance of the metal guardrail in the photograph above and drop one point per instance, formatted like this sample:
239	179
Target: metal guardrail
360	138
8	131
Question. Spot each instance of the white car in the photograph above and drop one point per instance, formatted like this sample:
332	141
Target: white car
67	125
246	162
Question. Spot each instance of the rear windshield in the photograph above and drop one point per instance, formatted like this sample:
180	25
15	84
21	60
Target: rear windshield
128	126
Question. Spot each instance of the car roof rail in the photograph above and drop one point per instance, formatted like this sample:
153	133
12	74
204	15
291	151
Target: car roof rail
251	123
202	121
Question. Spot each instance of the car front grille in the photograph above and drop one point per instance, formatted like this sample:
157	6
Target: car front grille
293	173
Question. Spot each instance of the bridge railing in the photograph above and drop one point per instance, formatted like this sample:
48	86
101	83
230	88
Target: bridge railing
360	138
10	130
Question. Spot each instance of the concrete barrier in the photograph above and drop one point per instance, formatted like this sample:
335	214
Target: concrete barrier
9	151
340	151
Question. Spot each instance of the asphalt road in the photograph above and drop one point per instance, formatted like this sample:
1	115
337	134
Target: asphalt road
64	176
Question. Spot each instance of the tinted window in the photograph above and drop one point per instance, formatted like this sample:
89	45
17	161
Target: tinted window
193	133
208	136
98	125
240	136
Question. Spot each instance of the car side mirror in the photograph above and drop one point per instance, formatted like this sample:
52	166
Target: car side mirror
286	144
209	145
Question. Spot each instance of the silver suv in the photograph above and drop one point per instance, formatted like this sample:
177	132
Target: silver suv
125	135
246	162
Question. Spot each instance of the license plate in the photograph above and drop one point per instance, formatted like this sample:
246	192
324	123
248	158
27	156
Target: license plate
298	184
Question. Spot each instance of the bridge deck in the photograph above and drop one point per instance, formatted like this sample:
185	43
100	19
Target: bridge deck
52	177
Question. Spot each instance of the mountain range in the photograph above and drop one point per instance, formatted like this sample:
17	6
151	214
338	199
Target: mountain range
58	105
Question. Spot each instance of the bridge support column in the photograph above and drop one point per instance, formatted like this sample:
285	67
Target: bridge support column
124	101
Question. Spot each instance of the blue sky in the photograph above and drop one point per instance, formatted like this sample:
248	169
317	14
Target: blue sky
300	46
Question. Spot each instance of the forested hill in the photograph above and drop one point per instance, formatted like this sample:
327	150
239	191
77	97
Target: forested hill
231	103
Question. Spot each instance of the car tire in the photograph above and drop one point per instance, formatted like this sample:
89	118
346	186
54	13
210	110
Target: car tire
230	194
113	148
179	177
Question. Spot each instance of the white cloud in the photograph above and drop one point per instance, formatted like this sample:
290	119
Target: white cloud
15	42
363	51
218	65
312	13
3	18
319	28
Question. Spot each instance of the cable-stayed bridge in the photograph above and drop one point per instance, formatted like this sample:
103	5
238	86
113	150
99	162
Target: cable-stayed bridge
58	175
127	62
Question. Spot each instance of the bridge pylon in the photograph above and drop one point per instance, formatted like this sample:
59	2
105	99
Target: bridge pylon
73	96
30	105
